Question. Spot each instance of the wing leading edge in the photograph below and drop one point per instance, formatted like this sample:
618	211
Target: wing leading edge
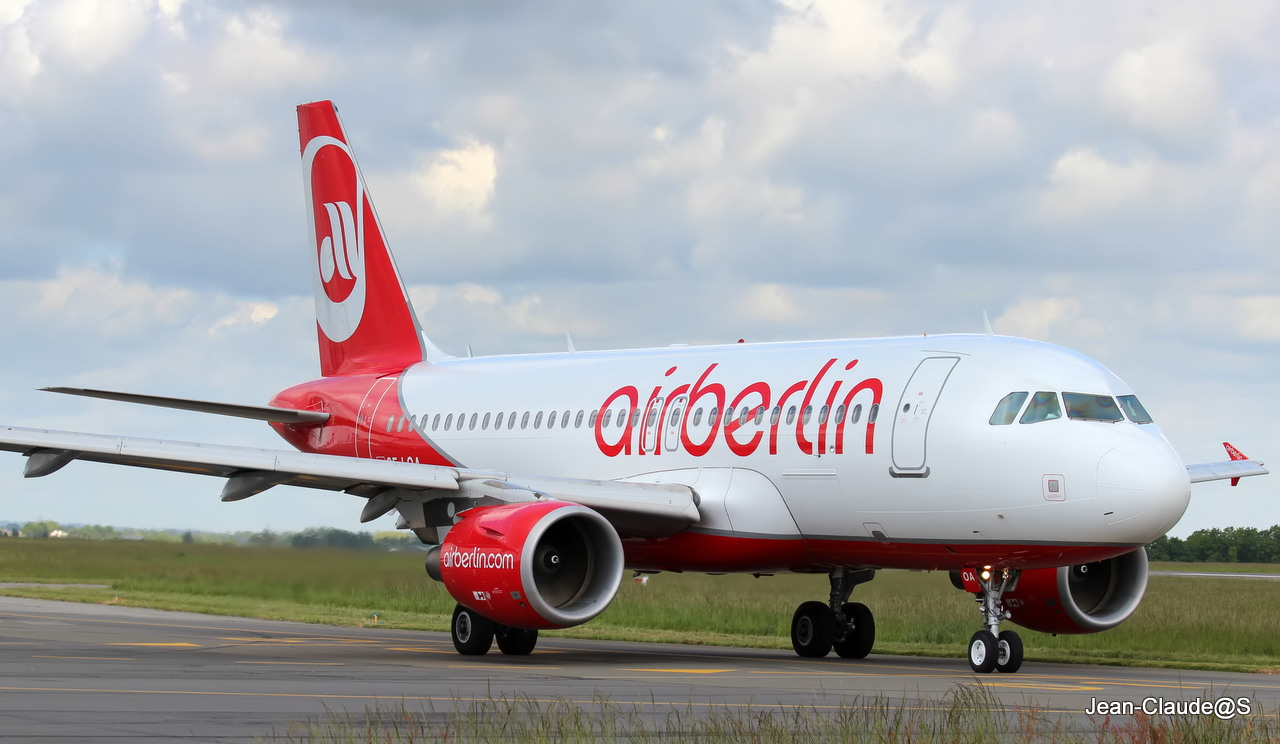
427	496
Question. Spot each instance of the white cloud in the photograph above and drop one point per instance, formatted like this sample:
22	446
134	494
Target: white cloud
1166	90
458	183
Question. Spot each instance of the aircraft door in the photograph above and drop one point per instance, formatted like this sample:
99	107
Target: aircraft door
650	424
911	420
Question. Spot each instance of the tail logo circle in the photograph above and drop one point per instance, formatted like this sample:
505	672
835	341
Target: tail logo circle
336	216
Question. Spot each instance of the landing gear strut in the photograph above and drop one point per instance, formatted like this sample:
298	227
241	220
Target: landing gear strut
992	648
473	635
848	627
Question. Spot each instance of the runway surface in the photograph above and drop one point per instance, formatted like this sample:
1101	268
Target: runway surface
110	673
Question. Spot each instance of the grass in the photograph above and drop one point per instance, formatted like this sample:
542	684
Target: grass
1205	623
967	714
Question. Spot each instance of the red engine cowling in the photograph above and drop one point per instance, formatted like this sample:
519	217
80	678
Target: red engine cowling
540	564
1087	598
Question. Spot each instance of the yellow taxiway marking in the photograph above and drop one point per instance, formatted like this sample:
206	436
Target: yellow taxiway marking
638	702
315	641
441	650
159	644
296	663
1046	686
96	658
682	671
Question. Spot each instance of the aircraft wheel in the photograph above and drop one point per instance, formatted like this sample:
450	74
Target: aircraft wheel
861	634
472	632
982	651
1008	652
516	641
813	629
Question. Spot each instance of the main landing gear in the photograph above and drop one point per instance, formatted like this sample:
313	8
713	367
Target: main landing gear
848	627
473	635
992	648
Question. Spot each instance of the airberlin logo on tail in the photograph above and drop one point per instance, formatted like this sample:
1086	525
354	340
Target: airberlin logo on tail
336	213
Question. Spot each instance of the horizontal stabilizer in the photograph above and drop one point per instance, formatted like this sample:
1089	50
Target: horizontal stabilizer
258	413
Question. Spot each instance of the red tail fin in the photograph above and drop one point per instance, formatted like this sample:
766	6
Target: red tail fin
365	322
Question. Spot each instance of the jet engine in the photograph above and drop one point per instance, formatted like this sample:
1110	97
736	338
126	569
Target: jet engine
1087	598
538	564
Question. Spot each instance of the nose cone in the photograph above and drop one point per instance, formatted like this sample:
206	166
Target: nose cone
1142	488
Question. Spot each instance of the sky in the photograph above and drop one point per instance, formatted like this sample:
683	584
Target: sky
1105	176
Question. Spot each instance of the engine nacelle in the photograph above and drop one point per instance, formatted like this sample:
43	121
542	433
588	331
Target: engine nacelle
539	564
1087	598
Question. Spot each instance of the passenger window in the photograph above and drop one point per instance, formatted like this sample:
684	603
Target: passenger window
577	420
537	421
511	421
873	412
840	409
524	420
448	422
1044	407
472	425
497	422
608	416
1007	409
791	415
485	424
551	420
808	413
777	414
697	417
652	418
822	414
712	416
856	414
759	415
728	415
435	423
1088	407
1134	410
564	420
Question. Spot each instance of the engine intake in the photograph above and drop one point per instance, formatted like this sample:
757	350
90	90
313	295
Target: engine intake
543	564
1087	598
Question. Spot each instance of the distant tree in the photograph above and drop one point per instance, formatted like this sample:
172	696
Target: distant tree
265	538
328	537
38	530
188	537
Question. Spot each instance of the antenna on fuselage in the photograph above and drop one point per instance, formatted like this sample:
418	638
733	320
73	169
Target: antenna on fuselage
569	341
986	324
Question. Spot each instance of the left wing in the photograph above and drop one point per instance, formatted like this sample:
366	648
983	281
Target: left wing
426	495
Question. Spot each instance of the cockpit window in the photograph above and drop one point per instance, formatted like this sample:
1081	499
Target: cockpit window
1088	407
1044	407
1134	410
1007	409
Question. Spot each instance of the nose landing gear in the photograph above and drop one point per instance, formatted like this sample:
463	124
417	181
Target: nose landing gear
848	627
992	648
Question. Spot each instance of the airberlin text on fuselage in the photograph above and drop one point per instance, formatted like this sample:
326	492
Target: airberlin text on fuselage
825	390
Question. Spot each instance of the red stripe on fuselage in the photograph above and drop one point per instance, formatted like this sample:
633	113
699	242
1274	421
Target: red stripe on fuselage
700	551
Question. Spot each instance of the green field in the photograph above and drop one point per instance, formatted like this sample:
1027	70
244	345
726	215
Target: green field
1224	624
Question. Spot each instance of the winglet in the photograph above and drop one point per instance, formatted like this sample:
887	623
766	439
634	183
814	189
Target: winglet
1234	454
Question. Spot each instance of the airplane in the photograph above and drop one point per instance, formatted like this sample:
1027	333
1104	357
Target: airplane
1027	471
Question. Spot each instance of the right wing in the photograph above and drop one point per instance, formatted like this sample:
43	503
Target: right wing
426	495
1239	466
